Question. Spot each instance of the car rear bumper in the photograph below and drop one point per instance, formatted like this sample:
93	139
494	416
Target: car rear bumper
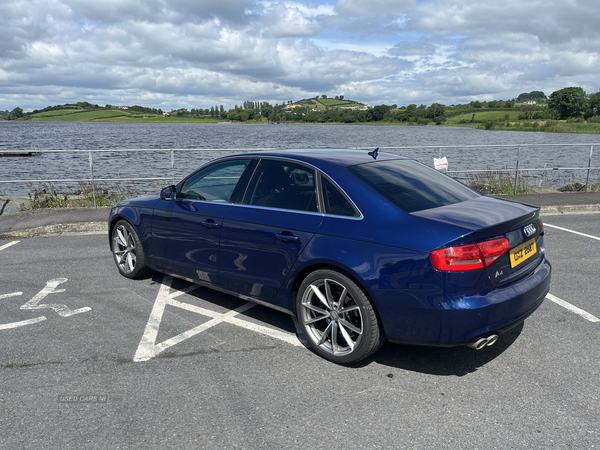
462	320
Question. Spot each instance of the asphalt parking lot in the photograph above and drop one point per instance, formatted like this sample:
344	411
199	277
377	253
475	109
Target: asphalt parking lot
90	359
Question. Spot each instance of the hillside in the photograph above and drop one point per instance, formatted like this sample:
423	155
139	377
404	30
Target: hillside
328	103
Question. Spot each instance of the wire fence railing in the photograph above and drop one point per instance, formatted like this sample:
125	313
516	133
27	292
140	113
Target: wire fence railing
93	179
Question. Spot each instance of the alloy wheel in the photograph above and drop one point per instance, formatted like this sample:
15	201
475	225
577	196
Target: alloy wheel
331	317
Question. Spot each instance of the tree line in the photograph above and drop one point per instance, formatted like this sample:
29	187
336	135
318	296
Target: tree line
567	103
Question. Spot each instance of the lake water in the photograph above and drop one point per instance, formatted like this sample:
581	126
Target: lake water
208	138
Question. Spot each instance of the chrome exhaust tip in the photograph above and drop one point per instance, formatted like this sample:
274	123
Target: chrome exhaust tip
491	340
484	342
478	344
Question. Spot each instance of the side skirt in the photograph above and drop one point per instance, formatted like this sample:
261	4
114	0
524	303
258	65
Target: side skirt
225	291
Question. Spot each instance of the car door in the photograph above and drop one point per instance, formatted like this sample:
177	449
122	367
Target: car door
186	230
265	232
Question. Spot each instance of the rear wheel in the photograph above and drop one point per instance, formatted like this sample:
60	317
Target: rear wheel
128	252
337	317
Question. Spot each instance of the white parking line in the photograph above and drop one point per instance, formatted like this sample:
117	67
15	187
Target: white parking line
12	294
148	348
22	323
586	315
571	231
8	245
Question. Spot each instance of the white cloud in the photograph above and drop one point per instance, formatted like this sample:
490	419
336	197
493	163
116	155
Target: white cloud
284	21
195	52
368	8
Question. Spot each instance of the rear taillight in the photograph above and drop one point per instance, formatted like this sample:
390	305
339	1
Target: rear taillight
543	230
469	257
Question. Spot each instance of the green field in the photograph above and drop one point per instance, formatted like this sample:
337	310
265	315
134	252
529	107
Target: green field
483	116
58	112
333	103
84	116
327	103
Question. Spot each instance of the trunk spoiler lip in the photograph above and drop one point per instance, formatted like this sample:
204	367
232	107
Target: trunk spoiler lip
461	215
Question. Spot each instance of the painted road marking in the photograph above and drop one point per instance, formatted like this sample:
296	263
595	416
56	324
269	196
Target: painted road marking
571	231
12	294
7	326
586	315
8	245
22	323
148	348
50	288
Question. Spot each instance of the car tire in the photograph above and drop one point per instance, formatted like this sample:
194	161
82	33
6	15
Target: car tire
337	317
128	251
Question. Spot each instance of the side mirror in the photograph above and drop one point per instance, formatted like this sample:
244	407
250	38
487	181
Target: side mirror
168	193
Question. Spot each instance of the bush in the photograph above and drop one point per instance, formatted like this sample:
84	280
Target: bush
575	120
488	125
594	119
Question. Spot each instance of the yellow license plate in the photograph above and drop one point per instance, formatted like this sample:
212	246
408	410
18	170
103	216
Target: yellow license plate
522	252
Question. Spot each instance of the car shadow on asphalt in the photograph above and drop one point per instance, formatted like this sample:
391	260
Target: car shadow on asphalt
445	361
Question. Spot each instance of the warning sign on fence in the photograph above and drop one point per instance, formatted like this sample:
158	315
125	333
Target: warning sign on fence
441	164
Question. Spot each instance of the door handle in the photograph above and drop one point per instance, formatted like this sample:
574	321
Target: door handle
286	237
210	224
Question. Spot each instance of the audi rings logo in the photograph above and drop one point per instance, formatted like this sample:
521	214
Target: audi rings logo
529	230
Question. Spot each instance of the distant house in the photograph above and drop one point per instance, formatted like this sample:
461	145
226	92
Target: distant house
315	109
530	102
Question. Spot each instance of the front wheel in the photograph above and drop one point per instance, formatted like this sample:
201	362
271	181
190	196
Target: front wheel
127	251
337	317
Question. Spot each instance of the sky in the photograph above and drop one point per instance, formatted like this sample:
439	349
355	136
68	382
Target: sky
199	53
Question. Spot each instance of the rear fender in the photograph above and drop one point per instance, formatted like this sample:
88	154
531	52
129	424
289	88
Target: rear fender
372	266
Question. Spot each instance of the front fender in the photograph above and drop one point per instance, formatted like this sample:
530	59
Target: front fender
139	217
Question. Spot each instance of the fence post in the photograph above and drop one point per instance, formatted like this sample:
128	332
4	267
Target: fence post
173	166
517	170
587	181
93	184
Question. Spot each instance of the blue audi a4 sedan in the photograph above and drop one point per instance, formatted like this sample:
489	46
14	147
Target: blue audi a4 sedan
360	246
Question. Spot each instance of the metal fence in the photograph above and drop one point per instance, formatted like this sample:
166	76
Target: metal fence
516	169
93	179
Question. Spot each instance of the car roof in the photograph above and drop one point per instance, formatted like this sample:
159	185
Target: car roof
326	157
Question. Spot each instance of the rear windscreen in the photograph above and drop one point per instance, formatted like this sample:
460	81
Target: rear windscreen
412	186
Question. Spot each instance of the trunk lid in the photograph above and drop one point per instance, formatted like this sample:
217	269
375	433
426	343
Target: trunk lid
491	218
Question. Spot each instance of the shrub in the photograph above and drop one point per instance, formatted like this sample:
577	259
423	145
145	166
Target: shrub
499	180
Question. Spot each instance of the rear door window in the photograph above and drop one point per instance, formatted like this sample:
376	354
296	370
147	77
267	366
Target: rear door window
282	184
412	186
